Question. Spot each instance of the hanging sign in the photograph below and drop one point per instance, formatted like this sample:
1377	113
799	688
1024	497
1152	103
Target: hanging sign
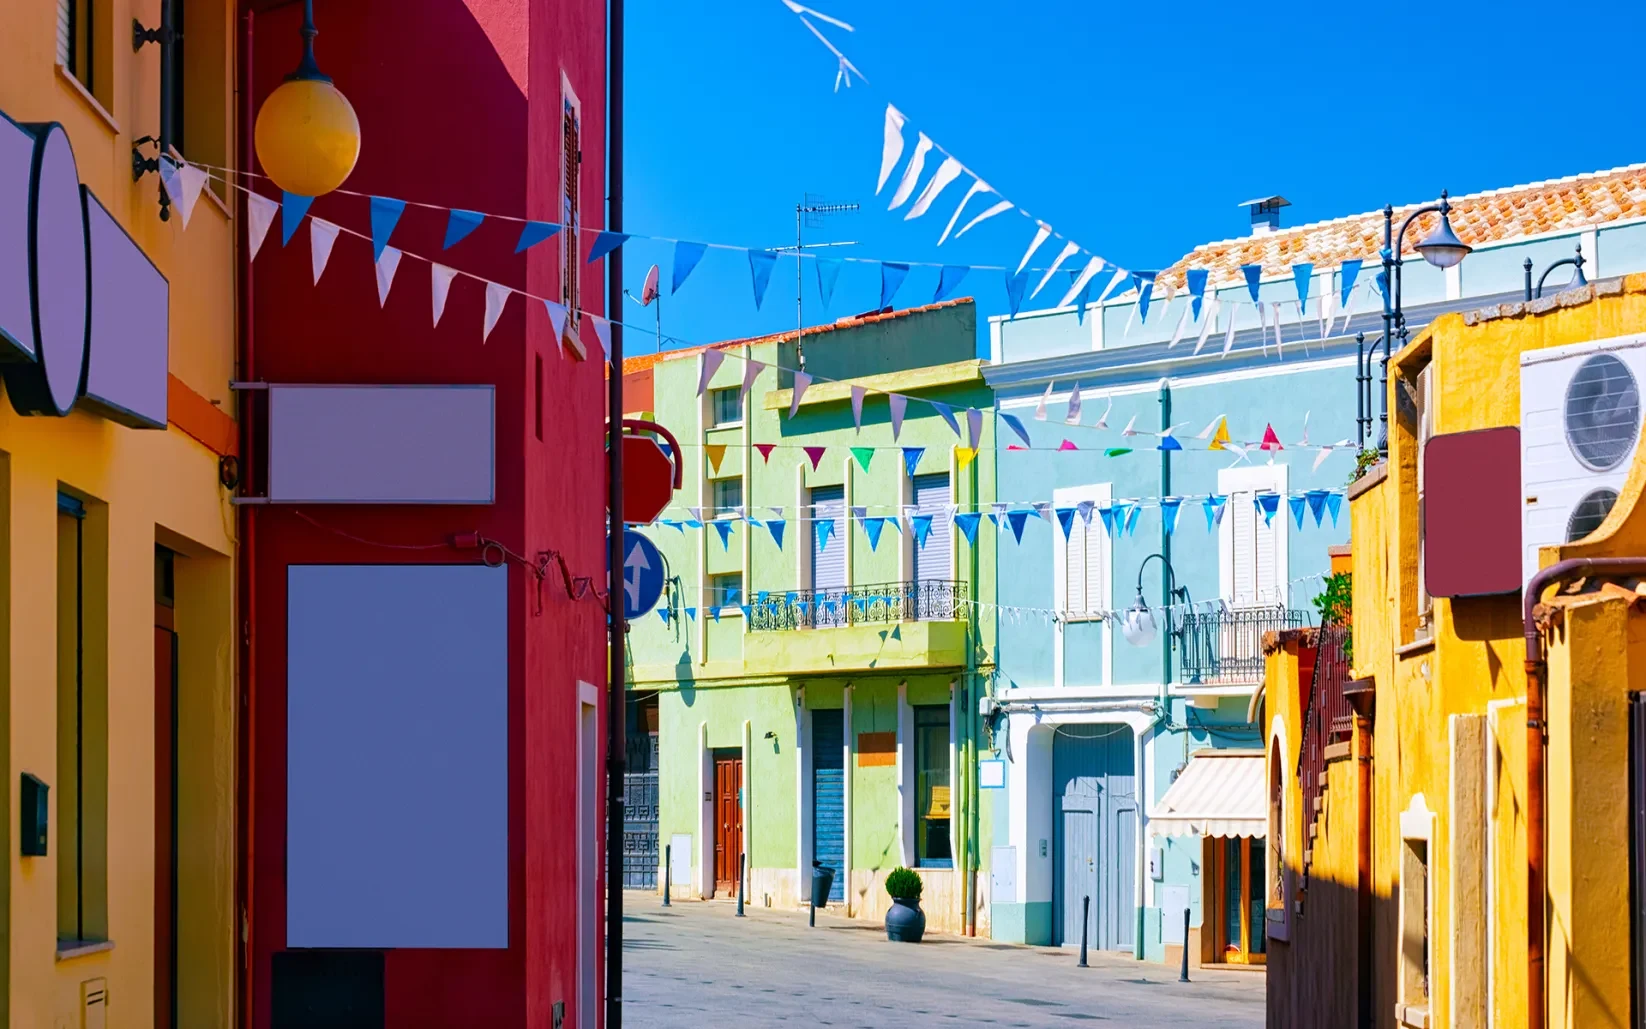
642	575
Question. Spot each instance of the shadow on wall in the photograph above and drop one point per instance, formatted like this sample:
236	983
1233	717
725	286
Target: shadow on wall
683	677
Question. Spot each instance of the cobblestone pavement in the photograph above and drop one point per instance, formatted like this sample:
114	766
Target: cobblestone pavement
695	964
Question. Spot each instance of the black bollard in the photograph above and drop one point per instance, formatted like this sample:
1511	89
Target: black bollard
1183	975
811	916
1085	917
741	859
668	863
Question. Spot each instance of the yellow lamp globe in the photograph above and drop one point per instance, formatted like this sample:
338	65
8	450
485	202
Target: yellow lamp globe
307	135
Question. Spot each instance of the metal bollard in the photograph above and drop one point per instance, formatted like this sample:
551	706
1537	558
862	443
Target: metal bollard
1183	975
1085	918
741	875
668	864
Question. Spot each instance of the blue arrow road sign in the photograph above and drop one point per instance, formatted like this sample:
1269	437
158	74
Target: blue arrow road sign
642	575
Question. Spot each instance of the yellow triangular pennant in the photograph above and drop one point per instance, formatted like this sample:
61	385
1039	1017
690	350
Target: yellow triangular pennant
715	451
964	455
1221	436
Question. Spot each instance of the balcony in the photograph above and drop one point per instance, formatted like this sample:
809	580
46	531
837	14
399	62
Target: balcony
1225	648
934	600
900	625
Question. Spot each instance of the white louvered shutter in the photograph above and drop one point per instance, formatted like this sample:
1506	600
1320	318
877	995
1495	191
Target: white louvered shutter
1266	570
65	33
1095	571
1243	589
931	497
1074	570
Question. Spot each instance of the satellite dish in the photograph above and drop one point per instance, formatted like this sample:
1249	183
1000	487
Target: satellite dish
648	292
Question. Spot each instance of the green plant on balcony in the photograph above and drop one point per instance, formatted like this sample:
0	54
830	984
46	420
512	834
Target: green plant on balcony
1335	602
1364	460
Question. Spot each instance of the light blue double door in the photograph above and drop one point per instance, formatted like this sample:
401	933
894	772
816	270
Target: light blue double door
1096	821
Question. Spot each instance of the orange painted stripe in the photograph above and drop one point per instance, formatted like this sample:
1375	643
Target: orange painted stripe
200	418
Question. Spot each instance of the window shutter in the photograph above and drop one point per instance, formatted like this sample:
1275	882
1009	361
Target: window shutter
65	33
569	216
931	497
1266	588
1095	571
829	563
1243	591
1074	570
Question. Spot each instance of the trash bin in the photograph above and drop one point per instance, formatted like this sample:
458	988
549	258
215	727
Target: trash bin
822	883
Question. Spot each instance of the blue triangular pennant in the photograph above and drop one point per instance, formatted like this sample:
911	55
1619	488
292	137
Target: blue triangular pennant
604	243
1347	273
948	415
293	206
533	233
911	458
1082	299
385	214
663	613
1317	504
872	527
459	224
691	612
675	525
1015	423
1254	278
967	523
1018	519
775	527
686	256
1065	518
824	527
1107	514
1214	511
745	609
715	611
1015	285
761	263
828	273
1145	290
892	275
693	523
1268	503
948	280
922	529
1169	507
1197	288
733	594
1296	504
1132	511
1169	442
724	528
1383	284
1301	274
1334	501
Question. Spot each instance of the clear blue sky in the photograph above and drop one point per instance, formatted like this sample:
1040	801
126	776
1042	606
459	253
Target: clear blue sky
1132	128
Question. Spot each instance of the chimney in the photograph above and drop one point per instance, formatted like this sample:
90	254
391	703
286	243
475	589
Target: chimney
1266	213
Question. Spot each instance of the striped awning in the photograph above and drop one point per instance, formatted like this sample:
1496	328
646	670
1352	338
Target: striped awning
1219	793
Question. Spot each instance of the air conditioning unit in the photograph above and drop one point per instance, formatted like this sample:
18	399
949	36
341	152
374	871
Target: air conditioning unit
1580	418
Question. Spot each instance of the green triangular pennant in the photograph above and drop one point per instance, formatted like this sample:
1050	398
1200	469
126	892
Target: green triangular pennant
864	455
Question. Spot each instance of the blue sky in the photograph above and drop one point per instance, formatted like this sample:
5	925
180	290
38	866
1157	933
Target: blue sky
1133	129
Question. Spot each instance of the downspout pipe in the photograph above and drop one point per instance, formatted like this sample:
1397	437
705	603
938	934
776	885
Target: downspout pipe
1536	739
617	624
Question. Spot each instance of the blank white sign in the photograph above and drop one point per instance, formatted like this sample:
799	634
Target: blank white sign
397	748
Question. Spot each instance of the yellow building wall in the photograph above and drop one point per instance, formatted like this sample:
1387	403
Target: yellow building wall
144	487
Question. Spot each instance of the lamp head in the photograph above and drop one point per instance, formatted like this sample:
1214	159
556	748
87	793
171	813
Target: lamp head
1137	623
307	134
1442	248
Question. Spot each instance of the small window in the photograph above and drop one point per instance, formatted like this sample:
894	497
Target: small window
725	591
570	216
931	787
728	497
75	40
726	406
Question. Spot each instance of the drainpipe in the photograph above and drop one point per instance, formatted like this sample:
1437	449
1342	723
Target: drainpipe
1536	739
1163	711
246	730
617	625
969	849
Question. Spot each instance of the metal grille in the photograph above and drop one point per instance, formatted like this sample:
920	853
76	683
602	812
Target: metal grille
1226	647
1602	412
888	602
640	831
1327	712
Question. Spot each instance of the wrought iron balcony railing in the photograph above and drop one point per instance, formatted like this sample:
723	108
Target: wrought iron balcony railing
929	601
1225	648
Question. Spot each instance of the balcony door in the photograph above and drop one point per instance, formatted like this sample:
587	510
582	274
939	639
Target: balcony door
829	556
1252	563
933	562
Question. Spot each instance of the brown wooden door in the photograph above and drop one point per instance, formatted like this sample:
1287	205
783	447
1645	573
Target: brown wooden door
728	815
165	821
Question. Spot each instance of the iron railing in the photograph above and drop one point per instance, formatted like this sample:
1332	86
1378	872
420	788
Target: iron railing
929	601
1326	715
1225	648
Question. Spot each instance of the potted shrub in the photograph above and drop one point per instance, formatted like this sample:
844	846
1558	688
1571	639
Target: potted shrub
905	922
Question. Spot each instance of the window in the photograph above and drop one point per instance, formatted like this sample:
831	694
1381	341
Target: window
74	40
537	399
726	406
1080	578
1425	429
725	590
1414	932
828	503
931	787
571	163
727	497
932	562
82	722
1251	540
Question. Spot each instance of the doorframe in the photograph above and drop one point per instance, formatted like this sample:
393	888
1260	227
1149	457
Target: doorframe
1215	860
589	936
165	619
716	756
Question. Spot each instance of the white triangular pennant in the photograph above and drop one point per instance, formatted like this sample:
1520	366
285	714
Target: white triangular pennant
946	173
801	381
892	149
1182	327
978	186
1103	422
1040	408
708	364
1072	417
322	234
751	371
911	174
387	265
602	332
1068	251
1320	459
1129	430
1040	235
1206	324
497	295
857	406
1120	275
987	213
183	185
557	322
1228	336
260	212
1093	266
440	282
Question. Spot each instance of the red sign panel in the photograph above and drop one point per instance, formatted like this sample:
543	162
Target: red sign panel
648	479
1471	513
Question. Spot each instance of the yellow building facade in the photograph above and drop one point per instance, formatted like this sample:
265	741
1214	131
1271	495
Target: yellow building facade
1400	789
118	654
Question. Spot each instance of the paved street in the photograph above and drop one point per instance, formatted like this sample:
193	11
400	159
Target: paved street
695	964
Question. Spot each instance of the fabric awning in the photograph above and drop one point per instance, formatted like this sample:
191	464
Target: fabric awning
1219	793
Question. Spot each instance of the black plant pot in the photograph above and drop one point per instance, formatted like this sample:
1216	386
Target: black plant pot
905	922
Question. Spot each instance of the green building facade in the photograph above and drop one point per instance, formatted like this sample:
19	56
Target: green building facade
813	671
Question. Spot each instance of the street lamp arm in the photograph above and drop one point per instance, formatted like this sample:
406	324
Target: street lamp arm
1400	239
1171	573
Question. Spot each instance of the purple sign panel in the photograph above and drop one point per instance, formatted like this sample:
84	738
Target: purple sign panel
83	312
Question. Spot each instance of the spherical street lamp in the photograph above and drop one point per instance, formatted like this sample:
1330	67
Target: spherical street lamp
307	135
1137	622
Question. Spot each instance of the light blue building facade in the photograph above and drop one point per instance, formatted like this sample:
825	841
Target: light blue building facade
1133	762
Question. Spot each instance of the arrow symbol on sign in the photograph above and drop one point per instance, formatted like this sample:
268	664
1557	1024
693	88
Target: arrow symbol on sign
633	565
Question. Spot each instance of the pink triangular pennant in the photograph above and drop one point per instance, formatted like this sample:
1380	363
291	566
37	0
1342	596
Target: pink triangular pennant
1066	445
322	234
1270	440
766	451
497	297
801	381
897	403
816	455
858	393
440	282
386	267
260	212
709	364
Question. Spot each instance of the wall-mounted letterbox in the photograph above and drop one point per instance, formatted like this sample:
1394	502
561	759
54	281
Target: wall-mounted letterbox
34	816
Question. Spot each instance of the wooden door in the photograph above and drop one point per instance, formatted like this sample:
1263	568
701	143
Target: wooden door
728	814
1237	878
165	821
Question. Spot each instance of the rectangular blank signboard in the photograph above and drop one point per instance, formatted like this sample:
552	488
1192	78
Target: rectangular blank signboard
397	744
382	444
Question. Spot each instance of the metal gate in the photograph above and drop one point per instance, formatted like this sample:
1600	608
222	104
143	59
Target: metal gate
1095	807
640	860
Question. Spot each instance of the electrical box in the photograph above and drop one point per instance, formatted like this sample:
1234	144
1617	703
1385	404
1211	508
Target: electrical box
1157	864
33	805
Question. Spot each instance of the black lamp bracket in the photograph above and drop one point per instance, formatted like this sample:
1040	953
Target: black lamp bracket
141	35
141	166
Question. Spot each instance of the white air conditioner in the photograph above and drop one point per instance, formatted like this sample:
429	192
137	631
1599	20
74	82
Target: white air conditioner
1580	417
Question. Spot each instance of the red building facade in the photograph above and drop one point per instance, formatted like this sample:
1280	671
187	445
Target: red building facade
490	106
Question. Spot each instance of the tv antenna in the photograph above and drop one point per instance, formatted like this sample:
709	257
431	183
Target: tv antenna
810	213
